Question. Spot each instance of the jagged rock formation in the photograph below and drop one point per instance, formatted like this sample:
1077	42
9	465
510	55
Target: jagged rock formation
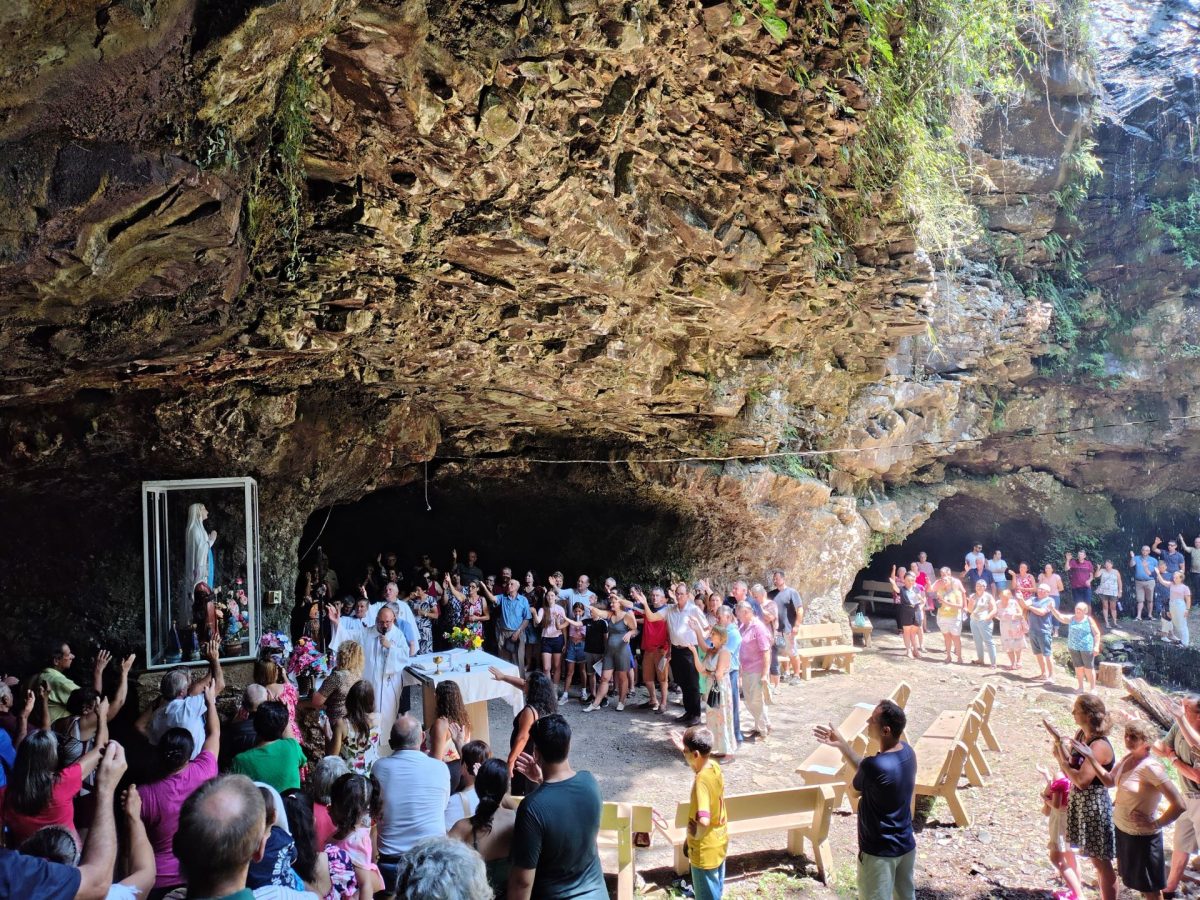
322	241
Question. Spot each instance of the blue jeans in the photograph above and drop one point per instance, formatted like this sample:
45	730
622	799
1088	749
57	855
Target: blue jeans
1082	595
708	884
737	706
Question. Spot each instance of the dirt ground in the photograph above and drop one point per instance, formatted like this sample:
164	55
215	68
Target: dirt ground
1000	855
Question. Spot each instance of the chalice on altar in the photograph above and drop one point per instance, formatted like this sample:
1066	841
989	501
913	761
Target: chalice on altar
437	665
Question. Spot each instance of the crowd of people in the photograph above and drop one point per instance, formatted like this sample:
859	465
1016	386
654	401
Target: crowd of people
186	802
988	596
249	805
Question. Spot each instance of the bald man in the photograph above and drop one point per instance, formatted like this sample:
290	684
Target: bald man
222	829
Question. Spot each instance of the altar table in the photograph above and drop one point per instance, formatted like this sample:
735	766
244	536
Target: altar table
477	686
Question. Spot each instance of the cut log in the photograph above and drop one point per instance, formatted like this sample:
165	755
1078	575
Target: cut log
1151	699
1110	674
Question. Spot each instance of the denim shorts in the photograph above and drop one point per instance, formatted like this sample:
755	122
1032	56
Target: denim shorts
575	652
1039	641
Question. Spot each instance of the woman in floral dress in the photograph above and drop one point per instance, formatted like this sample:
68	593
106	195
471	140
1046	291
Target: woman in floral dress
425	610
474	612
713	667
1024	585
356	737
1013	627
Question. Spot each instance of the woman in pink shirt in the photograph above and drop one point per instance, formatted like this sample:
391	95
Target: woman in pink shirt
162	800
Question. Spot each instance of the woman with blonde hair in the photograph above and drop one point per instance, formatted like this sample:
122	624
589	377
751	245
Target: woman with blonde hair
331	696
949	618
1013	627
716	691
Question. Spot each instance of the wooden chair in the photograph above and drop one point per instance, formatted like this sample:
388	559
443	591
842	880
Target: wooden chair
826	765
875	592
618	823
825	647
941	762
803	812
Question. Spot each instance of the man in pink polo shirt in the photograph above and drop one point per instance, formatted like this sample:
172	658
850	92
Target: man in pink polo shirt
754	658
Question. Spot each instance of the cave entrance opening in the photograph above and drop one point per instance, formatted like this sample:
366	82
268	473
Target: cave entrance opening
592	523
957	525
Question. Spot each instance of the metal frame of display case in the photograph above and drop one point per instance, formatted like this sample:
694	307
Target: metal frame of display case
156	566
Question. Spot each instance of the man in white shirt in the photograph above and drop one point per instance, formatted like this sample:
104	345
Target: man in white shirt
182	704
581	593
683	617
414	791
976	553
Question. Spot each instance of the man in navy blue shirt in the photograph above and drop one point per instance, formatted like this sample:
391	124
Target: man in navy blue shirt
1173	558
887	850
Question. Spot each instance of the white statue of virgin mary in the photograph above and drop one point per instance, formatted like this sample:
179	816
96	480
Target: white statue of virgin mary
198	561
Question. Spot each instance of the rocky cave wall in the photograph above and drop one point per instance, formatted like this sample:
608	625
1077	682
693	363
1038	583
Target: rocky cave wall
321	242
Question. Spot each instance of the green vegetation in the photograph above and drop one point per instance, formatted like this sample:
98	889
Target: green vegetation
928	84
1179	220
1084	318
271	166
767	15
273	200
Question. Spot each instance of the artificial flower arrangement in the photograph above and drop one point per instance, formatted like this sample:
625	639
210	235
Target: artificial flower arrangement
278	643
464	638
307	659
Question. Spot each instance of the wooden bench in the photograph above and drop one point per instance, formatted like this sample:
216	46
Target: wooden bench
875	592
618	824
941	762
950	723
826	765
803	812
864	632
826	648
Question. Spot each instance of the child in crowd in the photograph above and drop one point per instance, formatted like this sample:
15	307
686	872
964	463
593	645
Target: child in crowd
352	806
575	655
707	835
279	856
1054	807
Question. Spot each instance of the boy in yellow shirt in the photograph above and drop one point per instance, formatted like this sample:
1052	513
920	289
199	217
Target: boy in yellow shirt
708	838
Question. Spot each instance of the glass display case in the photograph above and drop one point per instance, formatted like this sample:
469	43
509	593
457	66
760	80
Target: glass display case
200	539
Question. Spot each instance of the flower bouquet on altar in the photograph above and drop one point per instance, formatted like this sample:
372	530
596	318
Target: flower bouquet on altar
279	644
464	638
307	663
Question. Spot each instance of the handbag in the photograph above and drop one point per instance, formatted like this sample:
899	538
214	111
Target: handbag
780	642
714	696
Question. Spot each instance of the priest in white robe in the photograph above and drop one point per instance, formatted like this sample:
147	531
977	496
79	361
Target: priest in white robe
387	647
391	600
